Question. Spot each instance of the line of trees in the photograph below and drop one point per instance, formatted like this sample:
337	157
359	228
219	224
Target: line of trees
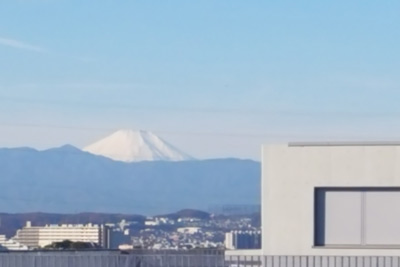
70	245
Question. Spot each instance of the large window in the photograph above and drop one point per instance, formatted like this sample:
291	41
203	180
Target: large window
357	217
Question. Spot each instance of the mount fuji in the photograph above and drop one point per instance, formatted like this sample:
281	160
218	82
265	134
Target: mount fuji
133	146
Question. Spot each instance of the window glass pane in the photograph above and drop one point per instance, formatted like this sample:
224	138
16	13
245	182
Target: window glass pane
382	217
338	217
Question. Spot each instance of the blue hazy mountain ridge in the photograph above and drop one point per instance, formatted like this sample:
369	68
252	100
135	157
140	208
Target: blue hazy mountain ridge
68	180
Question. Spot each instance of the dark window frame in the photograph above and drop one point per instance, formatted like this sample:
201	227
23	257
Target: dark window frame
317	226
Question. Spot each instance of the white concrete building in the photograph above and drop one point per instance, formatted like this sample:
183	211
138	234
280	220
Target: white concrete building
188	230
331	199
150	221
40	236
10	244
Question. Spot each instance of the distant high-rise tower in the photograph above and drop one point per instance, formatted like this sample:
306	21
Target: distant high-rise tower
243	240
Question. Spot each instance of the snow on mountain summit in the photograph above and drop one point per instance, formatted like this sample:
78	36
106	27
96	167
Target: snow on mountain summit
129	146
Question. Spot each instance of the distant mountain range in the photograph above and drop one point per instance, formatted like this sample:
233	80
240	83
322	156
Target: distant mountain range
69	180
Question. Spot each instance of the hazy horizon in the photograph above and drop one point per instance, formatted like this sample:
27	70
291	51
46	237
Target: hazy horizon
214	78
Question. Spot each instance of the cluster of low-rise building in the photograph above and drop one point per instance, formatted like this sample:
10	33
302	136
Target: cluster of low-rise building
181	238
153	233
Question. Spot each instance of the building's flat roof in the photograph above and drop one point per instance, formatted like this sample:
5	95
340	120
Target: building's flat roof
350	143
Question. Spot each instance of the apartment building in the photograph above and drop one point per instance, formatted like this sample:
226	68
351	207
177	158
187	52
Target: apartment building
40	236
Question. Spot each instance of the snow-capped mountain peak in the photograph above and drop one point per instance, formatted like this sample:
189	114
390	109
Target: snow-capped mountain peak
129	146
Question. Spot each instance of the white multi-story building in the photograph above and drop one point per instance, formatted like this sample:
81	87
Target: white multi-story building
10	244
331	199
40	236
188	230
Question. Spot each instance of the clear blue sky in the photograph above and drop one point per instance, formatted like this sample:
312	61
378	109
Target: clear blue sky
215	78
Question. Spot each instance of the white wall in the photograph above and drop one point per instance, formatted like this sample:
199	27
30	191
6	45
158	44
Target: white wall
289	176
